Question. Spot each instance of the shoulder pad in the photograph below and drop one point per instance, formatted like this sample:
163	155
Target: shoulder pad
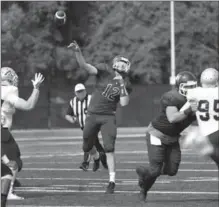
169	99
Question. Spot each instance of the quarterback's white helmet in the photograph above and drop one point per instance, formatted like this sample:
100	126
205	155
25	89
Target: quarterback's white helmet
209	77
8	74
121	64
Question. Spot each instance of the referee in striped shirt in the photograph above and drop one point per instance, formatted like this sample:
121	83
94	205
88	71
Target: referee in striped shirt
77	111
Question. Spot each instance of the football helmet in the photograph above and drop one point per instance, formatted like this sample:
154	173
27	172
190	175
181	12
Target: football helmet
8	74
185	80
121	64
209	78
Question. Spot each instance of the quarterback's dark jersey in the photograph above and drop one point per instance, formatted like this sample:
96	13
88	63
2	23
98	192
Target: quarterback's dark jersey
161	123
106	94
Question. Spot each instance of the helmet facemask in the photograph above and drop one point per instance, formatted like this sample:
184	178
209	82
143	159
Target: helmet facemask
184	87
121	65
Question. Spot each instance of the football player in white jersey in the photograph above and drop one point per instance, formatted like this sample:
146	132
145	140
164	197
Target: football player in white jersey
10	101
204	101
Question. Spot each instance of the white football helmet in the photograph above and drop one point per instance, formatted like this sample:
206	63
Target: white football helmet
121	64
8	74
209	78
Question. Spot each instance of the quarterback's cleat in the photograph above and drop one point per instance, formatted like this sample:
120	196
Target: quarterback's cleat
13	196
103	160
84	166
96	165
110	188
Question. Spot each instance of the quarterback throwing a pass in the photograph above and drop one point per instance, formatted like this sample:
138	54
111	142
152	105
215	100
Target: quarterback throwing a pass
204	101
111	88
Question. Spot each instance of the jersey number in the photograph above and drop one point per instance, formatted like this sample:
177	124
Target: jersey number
111	92
203	106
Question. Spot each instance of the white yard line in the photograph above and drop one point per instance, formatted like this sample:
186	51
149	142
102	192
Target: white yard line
32	138
119	170
119	179
120	192
119	162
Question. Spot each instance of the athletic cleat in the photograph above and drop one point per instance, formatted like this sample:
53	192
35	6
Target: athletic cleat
110	188
84	166
103	160
12	196
96	165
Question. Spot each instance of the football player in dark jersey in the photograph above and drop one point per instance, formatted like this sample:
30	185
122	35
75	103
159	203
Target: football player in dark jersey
163	134
112	87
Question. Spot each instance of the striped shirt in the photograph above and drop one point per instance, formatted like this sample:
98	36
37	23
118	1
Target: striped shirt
78	109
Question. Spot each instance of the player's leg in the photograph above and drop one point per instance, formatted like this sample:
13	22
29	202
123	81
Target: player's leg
109	131
96	157
173	159
214	140
6	177
86	160
100	149
90	132
148	175
199	143
11	149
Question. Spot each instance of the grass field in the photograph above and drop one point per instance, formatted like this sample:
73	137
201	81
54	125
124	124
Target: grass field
51	174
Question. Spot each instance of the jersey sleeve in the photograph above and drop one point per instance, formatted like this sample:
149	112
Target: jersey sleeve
168	100
12	96
102	69
70	110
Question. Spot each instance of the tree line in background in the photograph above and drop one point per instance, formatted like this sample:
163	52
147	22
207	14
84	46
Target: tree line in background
30	40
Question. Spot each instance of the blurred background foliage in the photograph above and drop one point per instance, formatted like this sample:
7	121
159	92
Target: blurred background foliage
30	40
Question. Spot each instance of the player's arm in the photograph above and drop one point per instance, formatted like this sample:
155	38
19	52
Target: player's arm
124	96
192	100
80	59
10	163
29	104
5	159
70	117
173	114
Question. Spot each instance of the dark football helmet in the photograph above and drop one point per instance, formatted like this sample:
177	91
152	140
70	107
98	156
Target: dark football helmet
185	80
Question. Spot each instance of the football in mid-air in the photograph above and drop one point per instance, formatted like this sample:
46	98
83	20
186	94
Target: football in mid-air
60	17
